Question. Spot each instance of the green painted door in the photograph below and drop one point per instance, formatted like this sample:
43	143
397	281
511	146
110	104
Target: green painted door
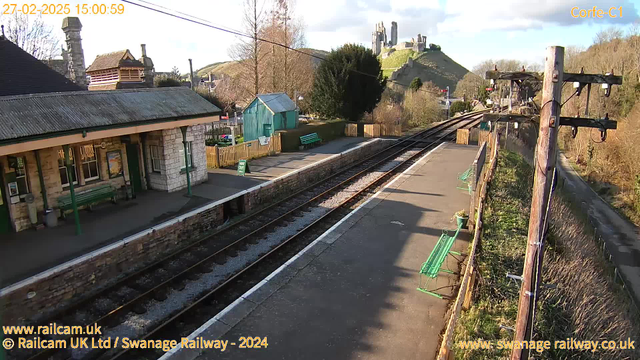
5	220
134	167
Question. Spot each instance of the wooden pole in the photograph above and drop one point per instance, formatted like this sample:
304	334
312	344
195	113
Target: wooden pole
544	164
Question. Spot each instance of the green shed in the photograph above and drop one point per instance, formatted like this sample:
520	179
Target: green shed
268	113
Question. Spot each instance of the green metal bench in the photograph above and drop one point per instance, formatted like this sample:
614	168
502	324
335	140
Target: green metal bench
310	139
87	197
433	266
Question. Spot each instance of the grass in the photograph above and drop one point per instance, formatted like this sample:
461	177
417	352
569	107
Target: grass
586	303
397	58
502	251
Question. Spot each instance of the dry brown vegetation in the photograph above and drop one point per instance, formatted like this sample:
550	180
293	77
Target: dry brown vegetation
611	167
410	108
586	303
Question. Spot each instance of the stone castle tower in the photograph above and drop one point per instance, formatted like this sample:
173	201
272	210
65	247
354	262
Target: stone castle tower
394	34
74	54
379	37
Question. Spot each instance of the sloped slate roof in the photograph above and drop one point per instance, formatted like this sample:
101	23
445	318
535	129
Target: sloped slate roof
113	60
277	102
21	73
28	116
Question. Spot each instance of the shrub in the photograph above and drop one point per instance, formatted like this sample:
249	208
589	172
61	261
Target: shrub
460	106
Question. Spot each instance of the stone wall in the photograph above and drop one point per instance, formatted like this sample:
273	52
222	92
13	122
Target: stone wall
171	176
81	277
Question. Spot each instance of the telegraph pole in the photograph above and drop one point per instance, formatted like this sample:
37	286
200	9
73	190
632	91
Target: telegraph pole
544	165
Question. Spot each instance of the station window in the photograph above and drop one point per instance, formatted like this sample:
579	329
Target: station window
156	158
89	162
189	155
64	178
21	176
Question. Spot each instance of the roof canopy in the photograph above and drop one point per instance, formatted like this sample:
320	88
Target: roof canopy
122	58
32	116
21	73
277	102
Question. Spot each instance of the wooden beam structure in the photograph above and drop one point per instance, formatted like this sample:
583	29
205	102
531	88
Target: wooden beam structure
564	120
514	75
568	77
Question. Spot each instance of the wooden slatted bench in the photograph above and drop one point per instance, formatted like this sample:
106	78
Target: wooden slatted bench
87	197
433	266
310	139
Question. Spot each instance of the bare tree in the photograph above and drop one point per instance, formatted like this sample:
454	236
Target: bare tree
248	51
289	69
32	35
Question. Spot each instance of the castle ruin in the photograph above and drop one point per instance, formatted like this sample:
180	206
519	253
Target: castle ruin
379	40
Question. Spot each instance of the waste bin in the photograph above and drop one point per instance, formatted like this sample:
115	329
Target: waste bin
50	218
33	210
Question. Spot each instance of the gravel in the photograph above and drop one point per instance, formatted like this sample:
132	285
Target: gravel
135	325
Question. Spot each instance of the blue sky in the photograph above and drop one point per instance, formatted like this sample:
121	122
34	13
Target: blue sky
469	31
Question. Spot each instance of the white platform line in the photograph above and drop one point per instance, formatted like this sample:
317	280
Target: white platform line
256	287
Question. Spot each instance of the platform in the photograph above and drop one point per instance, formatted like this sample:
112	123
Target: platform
29	252
352	293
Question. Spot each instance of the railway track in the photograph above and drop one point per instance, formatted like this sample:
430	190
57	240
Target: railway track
158	300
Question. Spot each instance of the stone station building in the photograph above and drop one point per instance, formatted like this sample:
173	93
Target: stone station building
131	140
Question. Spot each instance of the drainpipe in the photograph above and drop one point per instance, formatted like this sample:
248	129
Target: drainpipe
76	217
43	188
186	158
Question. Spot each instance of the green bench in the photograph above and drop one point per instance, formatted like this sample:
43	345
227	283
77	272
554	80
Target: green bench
310	139
87	197
433	266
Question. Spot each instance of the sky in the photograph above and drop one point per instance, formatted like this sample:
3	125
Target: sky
469	31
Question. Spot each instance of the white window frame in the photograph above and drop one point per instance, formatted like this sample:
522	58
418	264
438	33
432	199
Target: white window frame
155	153
95	160
189	156
23	176
73	165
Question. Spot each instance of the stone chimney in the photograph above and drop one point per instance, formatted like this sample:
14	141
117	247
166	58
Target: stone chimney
149	72
77	71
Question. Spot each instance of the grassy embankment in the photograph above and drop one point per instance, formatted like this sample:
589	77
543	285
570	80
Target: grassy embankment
585	304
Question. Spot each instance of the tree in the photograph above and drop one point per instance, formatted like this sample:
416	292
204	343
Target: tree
422	107
460	106
348	83
168	82
248	51
34	37
472	86
286	70
416	84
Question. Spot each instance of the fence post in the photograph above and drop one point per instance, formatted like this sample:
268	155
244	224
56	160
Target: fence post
216	156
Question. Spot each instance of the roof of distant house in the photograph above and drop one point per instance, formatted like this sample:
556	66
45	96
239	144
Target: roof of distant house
58	114
117	59
21	73
277	102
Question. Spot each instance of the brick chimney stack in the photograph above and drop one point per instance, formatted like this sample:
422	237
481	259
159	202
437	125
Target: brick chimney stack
149	71
77	71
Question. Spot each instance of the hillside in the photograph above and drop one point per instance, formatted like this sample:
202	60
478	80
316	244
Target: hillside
430	65
232	68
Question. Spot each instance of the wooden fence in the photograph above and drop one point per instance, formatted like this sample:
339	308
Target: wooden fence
351	130
374	130
465	292
218	157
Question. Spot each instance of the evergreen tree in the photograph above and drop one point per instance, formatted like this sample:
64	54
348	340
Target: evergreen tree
348	83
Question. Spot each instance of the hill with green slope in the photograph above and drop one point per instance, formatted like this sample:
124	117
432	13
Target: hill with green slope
430	65
232	68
